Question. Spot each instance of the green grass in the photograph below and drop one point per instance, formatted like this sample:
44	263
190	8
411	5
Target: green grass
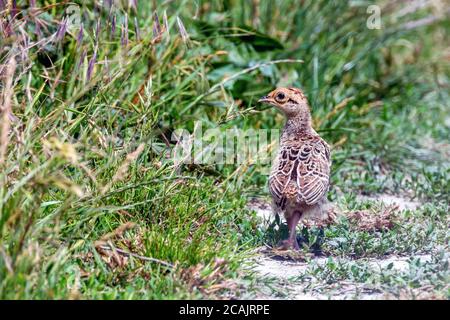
88	149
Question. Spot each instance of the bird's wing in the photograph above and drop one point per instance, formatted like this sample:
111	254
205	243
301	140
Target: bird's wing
313	170
307	165
283	173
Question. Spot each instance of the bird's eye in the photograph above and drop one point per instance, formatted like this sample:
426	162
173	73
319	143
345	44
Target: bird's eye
280	96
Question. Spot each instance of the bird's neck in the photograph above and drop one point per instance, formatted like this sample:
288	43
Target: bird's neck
299	124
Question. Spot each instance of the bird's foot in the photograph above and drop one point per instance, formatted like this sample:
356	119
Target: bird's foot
288	245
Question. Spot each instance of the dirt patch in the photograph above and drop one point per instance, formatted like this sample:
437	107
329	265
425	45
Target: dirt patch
262	208
391	200
283	268
288	279
285	276
400	264
373	220
431	147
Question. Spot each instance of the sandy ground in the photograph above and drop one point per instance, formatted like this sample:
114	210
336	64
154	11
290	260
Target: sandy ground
288	276
285	278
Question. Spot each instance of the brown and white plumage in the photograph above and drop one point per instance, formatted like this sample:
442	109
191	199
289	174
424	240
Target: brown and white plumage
300	176
303	168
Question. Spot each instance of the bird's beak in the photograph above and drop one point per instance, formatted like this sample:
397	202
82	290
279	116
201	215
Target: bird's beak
264	99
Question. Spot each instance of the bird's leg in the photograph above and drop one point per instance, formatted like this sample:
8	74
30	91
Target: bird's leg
292	222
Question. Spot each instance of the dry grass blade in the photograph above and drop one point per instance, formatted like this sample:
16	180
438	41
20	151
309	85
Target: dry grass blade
367	220
208	284
6	109
134	255
157	31
7	260
115	233
183	33
116	257
410	25
123	169
166	22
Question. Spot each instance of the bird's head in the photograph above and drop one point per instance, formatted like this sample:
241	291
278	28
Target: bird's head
291	101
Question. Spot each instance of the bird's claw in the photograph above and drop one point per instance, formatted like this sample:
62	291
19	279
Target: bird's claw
288	245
